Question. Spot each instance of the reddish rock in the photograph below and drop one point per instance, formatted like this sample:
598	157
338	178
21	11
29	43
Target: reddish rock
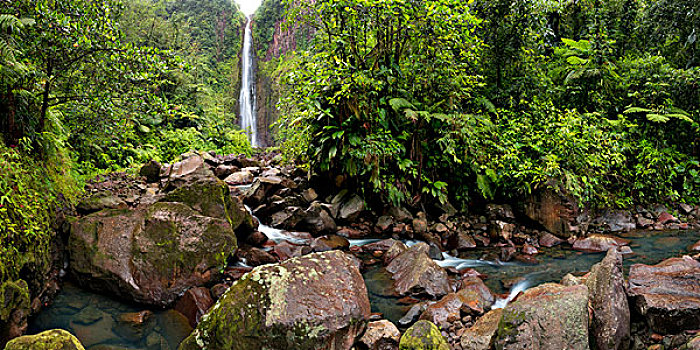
395	250
555	212
236	273
460	241
666	218
667	294
381	335
329	242
695	247
381	246
257	239
286	250
414	272
599	243
255	256
218	290
501	229
351	233
529	250
549	240
480	335
610	321
194	304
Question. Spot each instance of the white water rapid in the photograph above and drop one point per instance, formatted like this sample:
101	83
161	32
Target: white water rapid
247	100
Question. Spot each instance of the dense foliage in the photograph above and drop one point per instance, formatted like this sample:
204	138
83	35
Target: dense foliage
470	101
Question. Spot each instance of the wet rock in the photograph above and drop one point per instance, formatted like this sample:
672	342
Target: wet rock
476	295
446	310
239	178
330	242
380	335
190	165
269	307
599	243
194	304
52	339
607	298
151	171
255	256
133	325
420	223
547	317
88	316
288	218
351	209
499	211
424	335
461	241
100	201
507	253
135	318
549	240
414	272
667	295
480	335
151	255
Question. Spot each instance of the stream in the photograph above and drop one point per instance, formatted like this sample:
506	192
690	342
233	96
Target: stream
98	321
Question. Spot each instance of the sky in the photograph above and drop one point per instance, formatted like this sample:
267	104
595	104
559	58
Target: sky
249	6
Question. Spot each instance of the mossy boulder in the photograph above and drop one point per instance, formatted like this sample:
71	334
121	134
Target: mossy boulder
423	335
150	255
547	317
56	339
318	301
14	309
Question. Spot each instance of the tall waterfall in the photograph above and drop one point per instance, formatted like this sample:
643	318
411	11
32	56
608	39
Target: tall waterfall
246	99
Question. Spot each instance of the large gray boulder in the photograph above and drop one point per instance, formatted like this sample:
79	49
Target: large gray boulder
318	301
547	317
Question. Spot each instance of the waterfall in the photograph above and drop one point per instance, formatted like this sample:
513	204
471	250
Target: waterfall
246	99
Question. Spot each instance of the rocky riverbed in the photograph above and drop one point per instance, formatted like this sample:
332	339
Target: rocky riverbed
251	254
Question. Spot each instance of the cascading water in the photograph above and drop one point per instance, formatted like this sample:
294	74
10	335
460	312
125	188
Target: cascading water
247	99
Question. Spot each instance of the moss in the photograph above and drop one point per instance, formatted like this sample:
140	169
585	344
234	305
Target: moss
14	295
423	335
56	339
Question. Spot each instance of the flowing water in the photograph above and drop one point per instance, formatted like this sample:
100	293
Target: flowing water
247	99
97	320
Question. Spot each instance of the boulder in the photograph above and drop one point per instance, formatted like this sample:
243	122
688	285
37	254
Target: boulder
330	242
240	177
557	213
380	335
547	317
415	273
100	201
192	164
667	295
269	308
151	171
599	243
223	171
53	339
480	335
400	214
549	240
194	304
420	223
384	223
253	256
150	255
286	250
615	221
395	249
611	313
423	335
501	229
460	240
352	209
666	218
317	220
